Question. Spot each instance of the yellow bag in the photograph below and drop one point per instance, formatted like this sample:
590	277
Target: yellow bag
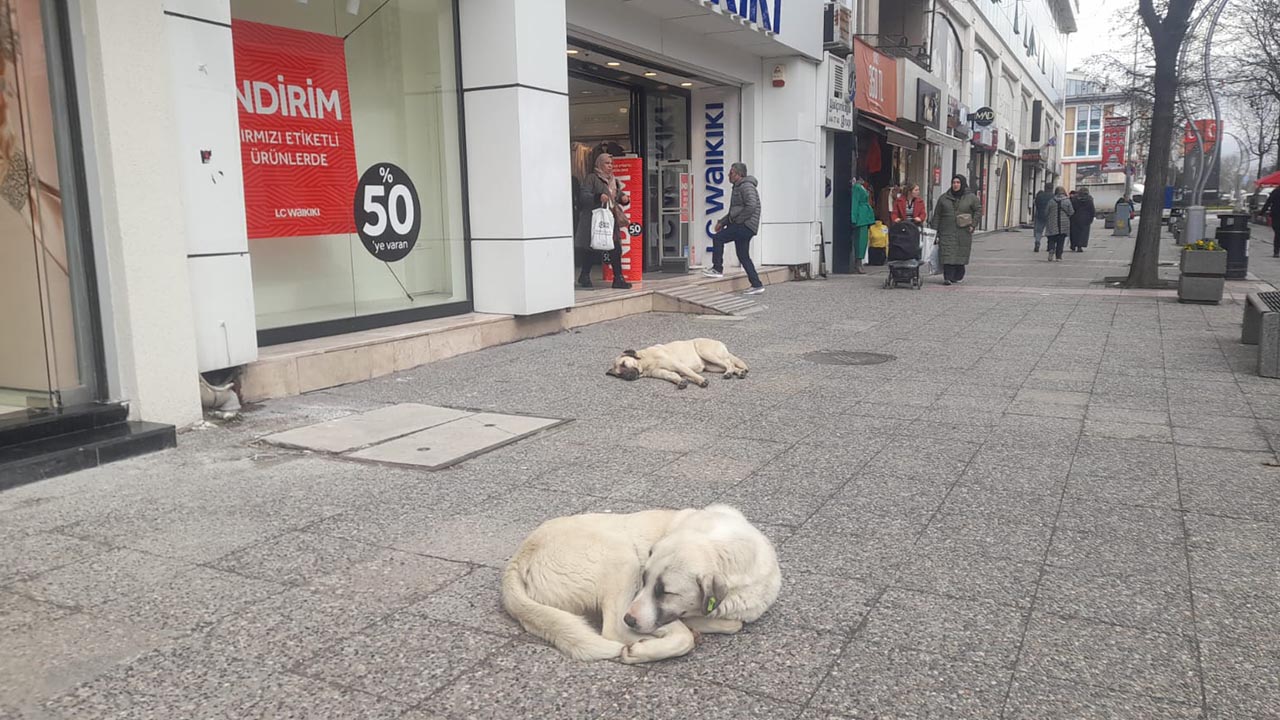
878	235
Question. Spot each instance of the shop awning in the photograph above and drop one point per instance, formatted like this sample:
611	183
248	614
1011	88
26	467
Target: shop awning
901	138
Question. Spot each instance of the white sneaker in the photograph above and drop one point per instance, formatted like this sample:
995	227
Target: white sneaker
712	273
754	291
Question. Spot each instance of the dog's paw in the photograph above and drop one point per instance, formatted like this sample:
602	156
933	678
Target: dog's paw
704	383
682	384
634	654
729	376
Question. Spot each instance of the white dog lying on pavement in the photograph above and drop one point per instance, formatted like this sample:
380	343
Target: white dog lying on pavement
654	578
679	362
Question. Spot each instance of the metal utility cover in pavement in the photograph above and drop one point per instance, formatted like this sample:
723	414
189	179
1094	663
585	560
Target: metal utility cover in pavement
847	357
409	434
453	442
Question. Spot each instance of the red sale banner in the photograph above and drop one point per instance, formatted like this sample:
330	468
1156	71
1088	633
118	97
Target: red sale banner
296	142
631	172
1115	131
1208	131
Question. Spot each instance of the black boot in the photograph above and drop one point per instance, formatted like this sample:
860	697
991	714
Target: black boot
584	281
620	284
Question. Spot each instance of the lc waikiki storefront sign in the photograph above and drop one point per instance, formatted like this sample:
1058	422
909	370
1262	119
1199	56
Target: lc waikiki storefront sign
765	13
716	147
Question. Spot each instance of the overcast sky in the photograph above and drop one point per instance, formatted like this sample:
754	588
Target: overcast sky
1096	32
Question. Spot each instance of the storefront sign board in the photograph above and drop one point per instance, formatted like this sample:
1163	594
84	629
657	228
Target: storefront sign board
876	75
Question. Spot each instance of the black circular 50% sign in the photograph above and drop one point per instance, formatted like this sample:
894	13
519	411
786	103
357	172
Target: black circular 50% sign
388	212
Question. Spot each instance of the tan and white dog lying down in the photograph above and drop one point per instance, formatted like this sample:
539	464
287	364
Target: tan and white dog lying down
679	362
653	579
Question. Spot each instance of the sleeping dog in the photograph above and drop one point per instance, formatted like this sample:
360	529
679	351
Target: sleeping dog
654	580
679	362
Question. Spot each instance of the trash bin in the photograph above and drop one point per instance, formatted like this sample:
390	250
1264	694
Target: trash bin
1233	236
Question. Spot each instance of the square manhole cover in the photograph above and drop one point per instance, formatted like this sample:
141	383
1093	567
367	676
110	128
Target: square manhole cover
422	436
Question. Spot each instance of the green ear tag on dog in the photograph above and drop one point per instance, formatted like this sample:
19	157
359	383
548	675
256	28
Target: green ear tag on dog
711	604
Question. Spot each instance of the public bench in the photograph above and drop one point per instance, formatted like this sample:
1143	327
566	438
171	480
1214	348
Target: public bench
1262	328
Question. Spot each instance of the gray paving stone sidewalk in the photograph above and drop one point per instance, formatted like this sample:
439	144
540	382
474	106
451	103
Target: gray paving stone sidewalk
1056	502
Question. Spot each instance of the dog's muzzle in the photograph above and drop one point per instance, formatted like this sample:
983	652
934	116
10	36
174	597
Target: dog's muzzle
629	374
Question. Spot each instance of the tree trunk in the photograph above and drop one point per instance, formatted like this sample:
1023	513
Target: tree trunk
1144	272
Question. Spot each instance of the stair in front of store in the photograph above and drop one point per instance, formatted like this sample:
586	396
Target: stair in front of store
703	300
41	444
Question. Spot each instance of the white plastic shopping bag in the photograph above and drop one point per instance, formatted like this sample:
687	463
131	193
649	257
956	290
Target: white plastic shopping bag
602	229
929	251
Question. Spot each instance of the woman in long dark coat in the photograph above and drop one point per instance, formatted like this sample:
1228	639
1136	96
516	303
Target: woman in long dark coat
957	213
600	189
1081	219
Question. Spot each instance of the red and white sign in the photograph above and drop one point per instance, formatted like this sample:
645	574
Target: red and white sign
630	170
877	81
296	141
1208	131
1115	133
686	197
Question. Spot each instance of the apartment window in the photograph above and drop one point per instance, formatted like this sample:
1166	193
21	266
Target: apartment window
948	58
1083	136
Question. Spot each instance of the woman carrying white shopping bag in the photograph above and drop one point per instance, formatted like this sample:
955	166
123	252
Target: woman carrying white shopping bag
602	222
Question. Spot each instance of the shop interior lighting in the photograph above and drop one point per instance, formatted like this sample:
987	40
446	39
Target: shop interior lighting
686	84
651	74
613	63
571	52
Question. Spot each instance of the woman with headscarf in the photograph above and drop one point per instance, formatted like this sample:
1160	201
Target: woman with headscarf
955	218
600	188
1082	216
1057	224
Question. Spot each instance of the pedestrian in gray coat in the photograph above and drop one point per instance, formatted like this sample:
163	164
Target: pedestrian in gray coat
738	227
1058	222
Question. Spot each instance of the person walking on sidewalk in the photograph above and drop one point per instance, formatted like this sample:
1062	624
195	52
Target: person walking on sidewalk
601	188
955	218
863	217
1041	211
1058	225
738	227
1082	216
1271	209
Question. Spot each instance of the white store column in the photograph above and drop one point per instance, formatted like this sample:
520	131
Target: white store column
515	81
138	216
788	169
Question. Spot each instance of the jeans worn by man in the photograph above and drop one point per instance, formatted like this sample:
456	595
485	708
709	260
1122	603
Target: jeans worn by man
740	236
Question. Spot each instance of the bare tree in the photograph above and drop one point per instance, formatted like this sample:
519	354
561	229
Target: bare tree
1256	65
1167	32
1257	121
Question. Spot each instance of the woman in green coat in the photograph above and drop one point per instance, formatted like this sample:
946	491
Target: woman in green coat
863	218
955	219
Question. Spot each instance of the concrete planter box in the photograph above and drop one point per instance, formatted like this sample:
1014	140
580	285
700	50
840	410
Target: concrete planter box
1203	262
1201	289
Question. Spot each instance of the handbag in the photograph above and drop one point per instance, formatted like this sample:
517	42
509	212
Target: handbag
602	229
964	220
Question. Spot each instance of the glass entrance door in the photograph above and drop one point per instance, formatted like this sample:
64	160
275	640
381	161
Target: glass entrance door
39	271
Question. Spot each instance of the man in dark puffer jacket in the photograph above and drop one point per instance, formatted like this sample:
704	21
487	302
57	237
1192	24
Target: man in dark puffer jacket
738	227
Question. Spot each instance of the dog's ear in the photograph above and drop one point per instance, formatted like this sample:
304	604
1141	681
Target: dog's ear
631	353
611	373
713	592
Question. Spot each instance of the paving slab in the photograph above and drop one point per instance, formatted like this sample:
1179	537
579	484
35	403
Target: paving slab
367	428
452	442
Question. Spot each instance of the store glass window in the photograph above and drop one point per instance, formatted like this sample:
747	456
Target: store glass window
353	168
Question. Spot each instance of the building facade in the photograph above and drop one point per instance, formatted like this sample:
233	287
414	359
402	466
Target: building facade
1097	152
292	171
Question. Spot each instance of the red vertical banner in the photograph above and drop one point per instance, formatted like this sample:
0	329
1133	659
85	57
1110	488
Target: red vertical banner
1208	132
1115	133
296	142
630	170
